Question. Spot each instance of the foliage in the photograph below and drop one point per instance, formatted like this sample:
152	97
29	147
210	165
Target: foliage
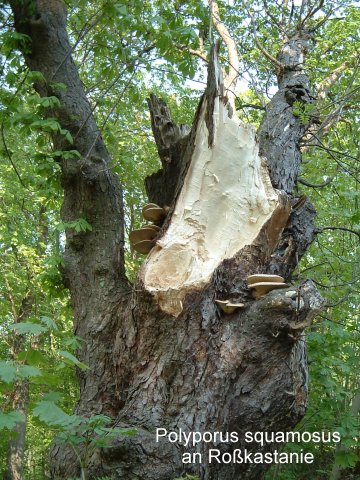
84	435
188	477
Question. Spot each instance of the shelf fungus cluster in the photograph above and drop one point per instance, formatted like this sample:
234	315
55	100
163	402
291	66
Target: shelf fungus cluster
228	307
261	284
143	239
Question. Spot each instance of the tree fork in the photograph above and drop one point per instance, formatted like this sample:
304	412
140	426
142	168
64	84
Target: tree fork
164	355
186	365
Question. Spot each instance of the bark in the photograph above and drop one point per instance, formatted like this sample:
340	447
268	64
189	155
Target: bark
16	448
281	131
21	391
94	265
161	354
20	396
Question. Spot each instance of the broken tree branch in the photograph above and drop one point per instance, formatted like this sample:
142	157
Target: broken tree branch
231	77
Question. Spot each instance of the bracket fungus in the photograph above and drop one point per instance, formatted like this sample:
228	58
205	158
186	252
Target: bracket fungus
261	284
144	233
149	205
142	239
153	212
153	226
228	307
144	246
262	277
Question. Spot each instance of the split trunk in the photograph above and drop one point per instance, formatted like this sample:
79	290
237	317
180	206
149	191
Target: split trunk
161	353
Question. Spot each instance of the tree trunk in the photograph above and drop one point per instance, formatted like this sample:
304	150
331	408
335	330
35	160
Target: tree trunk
162	354
21	392
16	447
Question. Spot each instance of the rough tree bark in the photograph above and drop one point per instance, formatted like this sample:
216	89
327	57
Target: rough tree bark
19	396
160	353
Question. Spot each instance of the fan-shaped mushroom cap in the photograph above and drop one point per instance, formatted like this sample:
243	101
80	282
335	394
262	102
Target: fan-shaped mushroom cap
154	214
228	307
144	246
262	288
144	233
151	225
149	205
260	277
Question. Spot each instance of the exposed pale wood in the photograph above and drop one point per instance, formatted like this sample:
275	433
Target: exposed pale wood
222	207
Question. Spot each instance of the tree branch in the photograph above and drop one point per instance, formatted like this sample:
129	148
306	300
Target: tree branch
334	76
316	185
311	13
275	21
302	9
196	52
265	52
94	268
251	105
318	131
344	229
260	46
9	156
283	16
234	64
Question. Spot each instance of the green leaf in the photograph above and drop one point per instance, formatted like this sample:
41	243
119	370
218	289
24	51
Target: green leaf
346	459
66	154
49	379
7	371
67	135
9	420
49	413
52	397
49	322
121	9
23	328
72	359
50	125
27	371
79	225
33	357
35	76
61	87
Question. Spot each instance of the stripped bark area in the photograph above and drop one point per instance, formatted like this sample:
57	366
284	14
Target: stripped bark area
161	354
225	200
